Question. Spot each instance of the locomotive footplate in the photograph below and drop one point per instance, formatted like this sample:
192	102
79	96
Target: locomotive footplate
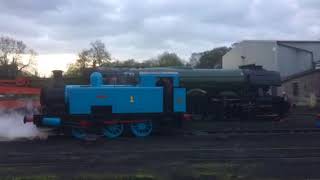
86	121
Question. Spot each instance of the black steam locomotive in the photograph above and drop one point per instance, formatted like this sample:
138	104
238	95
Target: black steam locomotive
247	93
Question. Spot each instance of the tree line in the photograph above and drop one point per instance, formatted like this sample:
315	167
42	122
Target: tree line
16	58
98	56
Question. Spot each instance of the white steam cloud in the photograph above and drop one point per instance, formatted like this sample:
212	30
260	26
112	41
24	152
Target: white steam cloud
12	128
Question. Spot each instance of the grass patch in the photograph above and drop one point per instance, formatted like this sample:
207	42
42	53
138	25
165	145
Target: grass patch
83	177
199	171
29	178
114	177
227	171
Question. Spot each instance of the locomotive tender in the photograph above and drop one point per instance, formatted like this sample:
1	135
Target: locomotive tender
106	109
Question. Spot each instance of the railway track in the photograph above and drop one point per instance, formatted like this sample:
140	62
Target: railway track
253	131
212	132
69	156
237	131
183	154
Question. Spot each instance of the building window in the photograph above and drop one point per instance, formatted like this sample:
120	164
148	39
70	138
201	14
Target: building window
295	89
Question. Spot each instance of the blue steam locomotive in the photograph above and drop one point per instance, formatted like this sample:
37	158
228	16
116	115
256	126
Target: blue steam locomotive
108	109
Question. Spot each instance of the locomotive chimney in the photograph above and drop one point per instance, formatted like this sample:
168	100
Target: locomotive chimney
57	78
57	74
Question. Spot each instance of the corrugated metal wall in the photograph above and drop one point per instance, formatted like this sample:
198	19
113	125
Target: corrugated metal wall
284	56
292	61
260	53
310	46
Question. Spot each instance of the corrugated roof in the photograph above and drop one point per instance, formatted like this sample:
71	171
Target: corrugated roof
283	41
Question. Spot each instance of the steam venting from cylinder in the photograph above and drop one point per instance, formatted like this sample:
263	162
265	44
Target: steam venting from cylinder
13	128
12	124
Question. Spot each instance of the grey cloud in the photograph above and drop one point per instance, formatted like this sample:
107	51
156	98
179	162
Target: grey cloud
29	8
310	4
14	26
142	28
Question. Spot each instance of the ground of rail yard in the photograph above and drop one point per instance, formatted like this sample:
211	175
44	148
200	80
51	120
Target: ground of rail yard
289	149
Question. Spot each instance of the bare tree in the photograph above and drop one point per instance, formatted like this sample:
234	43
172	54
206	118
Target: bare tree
15	54
99	54
83	59
95	56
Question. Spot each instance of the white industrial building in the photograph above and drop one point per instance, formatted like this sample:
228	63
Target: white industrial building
287	57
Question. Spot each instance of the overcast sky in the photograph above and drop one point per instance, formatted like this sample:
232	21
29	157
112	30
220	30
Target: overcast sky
143	28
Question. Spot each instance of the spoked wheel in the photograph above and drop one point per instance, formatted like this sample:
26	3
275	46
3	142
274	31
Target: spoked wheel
78	133
141	129
113	131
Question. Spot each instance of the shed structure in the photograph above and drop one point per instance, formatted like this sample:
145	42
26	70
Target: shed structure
287	57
